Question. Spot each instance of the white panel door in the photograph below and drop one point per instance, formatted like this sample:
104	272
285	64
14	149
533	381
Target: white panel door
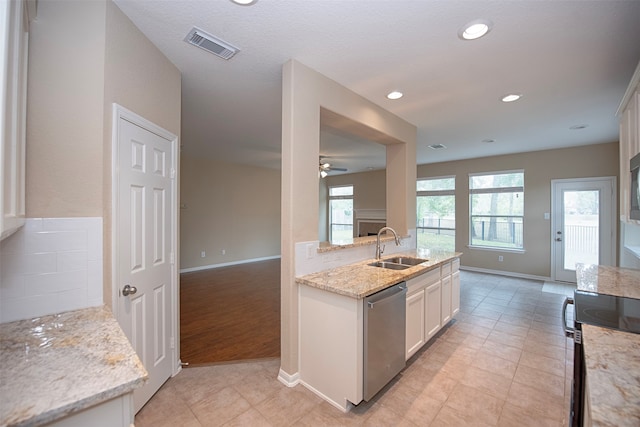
583	224
144	238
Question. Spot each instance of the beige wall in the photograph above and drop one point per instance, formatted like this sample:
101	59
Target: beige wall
304	93
141	79
65	104
540	168
83	56
227	206
369	192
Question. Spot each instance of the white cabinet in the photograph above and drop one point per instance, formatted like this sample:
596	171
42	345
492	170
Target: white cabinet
433	298
446	299
14	16
114	412
629	146
433	302
417	331
455	286
415	336
455	293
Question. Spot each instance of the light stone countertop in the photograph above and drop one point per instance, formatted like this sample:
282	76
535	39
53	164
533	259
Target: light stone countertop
359	280
56	365
602	279
354	242
612	360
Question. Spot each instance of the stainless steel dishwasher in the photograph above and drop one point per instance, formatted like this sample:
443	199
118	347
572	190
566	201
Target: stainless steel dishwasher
384	337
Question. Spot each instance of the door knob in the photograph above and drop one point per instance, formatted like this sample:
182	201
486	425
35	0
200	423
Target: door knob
129	290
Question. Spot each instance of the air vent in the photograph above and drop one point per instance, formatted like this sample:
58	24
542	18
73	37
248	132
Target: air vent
437	146
212	44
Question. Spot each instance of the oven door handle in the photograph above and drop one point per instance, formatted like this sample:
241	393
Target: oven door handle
567	330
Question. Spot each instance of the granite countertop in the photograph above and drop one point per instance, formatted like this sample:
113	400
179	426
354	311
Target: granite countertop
602	279
612	360
359	280
354	242
56	365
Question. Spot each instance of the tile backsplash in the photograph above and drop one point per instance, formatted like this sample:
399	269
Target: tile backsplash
49	266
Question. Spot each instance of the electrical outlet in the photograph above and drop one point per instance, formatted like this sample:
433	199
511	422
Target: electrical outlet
203	254
500	258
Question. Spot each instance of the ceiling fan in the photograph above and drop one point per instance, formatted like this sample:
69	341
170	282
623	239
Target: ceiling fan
325	167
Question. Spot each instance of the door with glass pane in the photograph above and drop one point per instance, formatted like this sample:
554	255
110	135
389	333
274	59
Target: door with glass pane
583	224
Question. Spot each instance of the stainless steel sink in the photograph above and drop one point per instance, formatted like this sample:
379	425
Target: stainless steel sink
389	265
406	260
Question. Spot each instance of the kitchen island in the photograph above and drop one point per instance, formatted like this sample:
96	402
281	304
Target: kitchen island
73	368
331	317
612	361
611	356
359	280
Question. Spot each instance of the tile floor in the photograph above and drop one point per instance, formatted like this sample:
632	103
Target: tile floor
504	361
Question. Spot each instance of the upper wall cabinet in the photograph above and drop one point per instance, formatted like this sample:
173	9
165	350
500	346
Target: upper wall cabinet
629	113
14	44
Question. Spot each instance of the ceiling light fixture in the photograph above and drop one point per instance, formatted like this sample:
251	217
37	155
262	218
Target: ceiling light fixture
323	174
245	2
511	97
578	127
437	146
395	95
475	29
488	141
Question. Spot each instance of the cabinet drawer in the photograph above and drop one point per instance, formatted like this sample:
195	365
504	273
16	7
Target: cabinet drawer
446	269
455	265
422	281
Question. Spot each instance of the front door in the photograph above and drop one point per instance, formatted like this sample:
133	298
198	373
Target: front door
144	240
583	224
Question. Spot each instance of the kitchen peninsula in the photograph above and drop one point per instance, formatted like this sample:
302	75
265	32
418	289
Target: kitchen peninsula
331	316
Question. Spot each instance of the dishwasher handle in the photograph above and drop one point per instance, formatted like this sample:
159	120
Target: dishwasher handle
567	330
398	289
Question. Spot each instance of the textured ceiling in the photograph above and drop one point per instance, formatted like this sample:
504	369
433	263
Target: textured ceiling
572	61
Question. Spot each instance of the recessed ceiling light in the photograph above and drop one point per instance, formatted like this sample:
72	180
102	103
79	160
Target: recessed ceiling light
475	29
395	95
245	2
437	146
577	127
511	97
488	141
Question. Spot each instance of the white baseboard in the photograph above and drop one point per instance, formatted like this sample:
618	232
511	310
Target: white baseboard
506	273
288	380
333	403
225	264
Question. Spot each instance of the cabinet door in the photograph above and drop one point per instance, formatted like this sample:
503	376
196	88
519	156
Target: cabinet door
455	293
13	98
446	300
415	337
432	309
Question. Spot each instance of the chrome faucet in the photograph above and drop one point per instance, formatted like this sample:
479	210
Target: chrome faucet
380	250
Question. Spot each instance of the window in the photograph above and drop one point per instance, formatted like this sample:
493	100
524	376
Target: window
341	213
497	210
436	209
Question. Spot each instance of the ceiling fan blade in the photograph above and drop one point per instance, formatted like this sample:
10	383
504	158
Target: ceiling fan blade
338	169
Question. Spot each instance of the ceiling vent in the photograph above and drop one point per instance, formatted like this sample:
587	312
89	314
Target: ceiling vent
437	146
205	41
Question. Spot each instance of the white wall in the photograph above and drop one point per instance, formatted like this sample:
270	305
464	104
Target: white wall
49	266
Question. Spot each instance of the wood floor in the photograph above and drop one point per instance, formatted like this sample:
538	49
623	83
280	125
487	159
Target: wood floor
230	313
